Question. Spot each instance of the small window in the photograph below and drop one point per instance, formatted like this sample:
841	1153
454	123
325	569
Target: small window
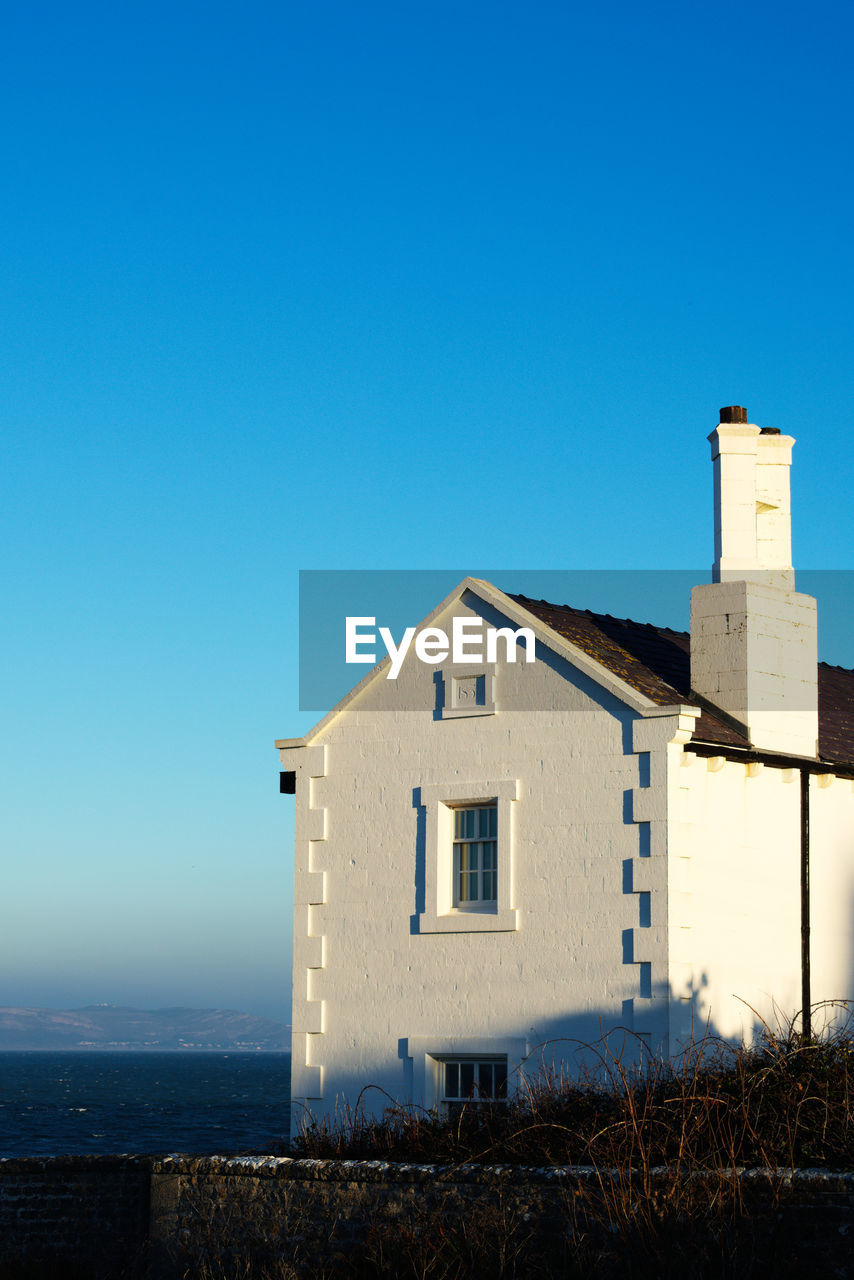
473	1082
476	856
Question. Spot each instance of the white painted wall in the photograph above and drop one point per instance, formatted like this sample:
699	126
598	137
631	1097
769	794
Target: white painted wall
735	894
831	892
370	990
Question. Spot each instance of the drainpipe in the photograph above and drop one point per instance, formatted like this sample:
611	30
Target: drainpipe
806	997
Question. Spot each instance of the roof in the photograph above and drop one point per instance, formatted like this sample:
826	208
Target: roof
656	662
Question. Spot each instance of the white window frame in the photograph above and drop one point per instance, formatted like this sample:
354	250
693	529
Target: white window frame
478	873
430	1053
459	1061
439	914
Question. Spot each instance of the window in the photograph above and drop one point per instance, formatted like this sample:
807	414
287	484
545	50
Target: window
476	856
473	1081
468	867
450	1071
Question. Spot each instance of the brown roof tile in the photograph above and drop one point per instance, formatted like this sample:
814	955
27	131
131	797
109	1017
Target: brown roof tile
655	661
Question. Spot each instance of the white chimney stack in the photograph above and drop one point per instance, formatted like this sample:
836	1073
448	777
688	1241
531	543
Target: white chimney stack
753	637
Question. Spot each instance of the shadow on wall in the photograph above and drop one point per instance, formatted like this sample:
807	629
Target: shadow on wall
596	1047
593	1047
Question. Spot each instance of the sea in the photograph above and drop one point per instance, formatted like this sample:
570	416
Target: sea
108	1103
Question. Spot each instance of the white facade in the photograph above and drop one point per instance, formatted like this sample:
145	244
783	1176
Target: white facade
640	885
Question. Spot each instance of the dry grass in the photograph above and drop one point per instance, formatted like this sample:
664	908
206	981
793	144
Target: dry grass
783	1104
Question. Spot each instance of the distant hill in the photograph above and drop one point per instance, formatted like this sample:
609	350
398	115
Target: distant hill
105	1026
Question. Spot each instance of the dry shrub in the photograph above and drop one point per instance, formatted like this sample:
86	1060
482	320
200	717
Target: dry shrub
661	1192
784	1103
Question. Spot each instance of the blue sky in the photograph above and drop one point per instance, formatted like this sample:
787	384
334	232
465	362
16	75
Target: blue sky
353	287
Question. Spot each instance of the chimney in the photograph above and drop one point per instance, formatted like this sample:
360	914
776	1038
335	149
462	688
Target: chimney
753	637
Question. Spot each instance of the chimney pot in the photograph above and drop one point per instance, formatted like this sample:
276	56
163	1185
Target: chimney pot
733	413
769	431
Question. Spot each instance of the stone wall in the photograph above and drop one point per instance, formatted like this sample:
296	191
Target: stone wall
144	1218
86	1212
316	1213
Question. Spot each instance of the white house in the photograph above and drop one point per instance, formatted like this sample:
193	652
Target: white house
628	828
